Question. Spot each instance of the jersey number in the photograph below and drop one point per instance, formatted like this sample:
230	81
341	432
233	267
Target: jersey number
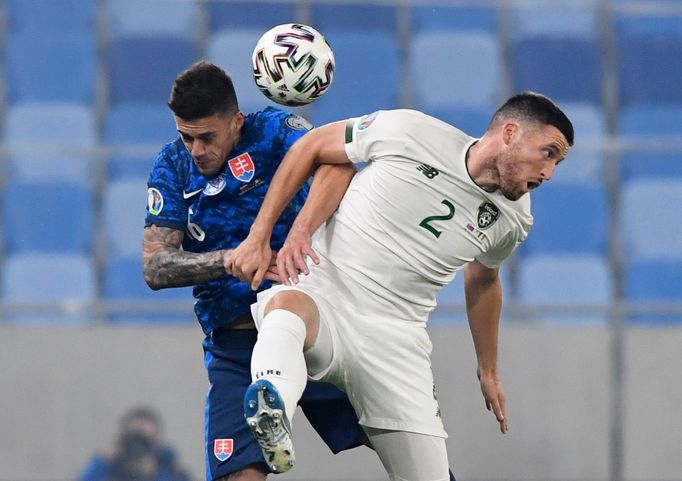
426	222
193	229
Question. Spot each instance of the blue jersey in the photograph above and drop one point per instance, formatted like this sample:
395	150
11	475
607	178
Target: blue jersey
216	213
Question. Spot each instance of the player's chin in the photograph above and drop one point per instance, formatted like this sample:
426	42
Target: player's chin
515	194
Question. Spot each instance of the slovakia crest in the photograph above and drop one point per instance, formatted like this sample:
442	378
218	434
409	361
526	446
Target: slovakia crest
222	448
242	167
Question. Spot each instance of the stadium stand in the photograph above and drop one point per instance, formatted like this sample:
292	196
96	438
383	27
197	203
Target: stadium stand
565	286
231	49
152	18
48	217
67	280
568	218
80	130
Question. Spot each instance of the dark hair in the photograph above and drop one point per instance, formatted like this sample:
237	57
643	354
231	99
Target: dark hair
202	90
140	412
534	107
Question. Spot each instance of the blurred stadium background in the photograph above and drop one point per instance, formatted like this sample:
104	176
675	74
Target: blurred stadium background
592	328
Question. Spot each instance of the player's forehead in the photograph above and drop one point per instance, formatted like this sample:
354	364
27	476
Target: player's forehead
545	135
203	125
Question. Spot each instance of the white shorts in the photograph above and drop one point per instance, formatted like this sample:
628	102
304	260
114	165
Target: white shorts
383	364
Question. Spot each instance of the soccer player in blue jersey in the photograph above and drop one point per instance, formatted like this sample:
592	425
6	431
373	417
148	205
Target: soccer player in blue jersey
204	191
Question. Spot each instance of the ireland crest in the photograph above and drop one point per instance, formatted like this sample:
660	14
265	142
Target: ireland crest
487	215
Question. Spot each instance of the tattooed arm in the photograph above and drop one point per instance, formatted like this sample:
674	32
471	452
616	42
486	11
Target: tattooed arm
166	265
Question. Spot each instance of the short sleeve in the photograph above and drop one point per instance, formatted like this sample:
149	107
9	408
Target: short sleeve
372	136
166	206
494	257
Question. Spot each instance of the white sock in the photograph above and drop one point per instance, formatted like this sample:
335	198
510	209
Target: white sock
278	356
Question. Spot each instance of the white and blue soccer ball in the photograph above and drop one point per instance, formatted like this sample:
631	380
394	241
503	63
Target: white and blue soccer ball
293	64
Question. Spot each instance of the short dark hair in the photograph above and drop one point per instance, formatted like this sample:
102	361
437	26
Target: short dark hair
202	90
140	412
534	107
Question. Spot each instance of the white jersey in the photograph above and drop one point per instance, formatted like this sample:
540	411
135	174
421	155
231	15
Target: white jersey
413	216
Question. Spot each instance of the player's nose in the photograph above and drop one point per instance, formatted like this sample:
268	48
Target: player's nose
198	148
547	171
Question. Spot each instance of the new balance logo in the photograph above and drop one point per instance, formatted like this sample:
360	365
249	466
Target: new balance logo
428	171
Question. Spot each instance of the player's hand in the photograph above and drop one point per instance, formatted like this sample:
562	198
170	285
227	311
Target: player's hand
249	262
272	274
491	387
291	259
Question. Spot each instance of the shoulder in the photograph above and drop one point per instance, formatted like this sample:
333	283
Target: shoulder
272	116
173	152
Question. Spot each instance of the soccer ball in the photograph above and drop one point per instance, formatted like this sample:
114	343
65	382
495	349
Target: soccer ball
293	64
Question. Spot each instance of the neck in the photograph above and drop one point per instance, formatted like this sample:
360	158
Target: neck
481	164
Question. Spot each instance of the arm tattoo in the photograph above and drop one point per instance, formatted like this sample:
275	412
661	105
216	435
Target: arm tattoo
165	264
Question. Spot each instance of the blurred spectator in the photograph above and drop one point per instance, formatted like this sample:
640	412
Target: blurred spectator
138	454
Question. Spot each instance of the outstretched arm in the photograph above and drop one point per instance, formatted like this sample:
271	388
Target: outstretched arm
484	304
164	264
323	145
328	187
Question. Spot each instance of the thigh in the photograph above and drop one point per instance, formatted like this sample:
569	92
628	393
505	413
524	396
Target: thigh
230	446
331	414
410	456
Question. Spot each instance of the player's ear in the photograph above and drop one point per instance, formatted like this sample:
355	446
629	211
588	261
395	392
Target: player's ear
509	131
238	120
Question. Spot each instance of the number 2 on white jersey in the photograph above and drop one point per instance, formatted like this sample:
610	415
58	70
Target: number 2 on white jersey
426	221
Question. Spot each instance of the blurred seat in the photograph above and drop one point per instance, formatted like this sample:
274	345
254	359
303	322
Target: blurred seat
585	159
649	67
549	64
51	142
142	69
654	282
50	68
260	16
69	127
66	279
568	218
650	164
649	221
231	49
48	216
471	121
580	283
49	17
152	18
335	20
579	19
647	121
124	212
456	70
138	123
134	134
130	300
443	17
365	80
38	165
630	19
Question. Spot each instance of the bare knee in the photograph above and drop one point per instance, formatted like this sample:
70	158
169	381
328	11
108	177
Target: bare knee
303	306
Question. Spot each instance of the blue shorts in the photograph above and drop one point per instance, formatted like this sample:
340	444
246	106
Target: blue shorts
229	443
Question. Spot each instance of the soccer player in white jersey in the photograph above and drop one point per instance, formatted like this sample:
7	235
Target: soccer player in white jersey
430	202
